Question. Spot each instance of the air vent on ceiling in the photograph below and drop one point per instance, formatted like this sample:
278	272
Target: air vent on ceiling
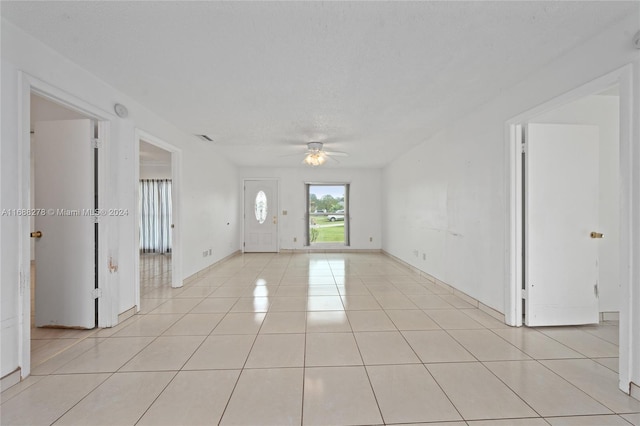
205	138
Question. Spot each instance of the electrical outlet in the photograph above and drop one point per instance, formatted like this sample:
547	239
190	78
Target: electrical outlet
210	252
205	253
424	256
370	239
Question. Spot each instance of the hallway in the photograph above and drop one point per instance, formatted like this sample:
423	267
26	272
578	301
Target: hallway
323	339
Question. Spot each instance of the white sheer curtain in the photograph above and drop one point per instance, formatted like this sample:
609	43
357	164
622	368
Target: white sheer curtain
155	216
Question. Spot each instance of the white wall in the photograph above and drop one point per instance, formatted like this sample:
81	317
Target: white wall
364	202
208	201
602	111
155	171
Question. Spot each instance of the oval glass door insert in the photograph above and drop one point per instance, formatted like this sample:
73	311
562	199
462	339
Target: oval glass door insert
261	207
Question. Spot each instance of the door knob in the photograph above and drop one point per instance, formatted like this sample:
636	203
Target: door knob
597	235
37	234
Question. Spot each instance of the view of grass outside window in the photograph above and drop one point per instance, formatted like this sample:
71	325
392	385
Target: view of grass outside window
327	207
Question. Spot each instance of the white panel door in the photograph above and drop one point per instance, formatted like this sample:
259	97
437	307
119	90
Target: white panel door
561	257
65	253
261	216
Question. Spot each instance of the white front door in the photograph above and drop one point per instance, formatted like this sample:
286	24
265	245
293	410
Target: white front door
561	205
65	252
261	216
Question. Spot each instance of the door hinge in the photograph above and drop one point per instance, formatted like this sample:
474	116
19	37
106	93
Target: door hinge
96	219
524	293
96	143
524	147
96	293
595	291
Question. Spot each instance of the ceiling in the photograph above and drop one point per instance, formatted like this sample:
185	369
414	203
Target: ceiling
262	79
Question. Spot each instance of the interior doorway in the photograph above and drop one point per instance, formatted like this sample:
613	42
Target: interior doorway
617	87
158	231
64	163
156	218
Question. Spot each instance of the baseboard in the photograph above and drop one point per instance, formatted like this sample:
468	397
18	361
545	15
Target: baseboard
329	250
609	316
449	288
634	391
10	379
207	269
127	314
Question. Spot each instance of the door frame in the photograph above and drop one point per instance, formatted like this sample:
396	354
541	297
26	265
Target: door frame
107	303
629	226
244	181
176	237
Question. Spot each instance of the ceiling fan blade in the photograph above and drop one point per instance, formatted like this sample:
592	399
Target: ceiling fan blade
336	153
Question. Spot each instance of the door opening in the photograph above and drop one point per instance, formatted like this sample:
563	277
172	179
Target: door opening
155	226
159	165
64	245
615	304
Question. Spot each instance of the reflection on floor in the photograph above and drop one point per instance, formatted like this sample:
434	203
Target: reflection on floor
155	272
324	339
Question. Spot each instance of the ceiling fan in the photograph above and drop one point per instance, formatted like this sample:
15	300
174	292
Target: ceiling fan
316	155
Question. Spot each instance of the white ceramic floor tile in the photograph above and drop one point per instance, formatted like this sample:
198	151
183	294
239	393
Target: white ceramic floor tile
212	305
339	396
330	322
194	325
221	352
284	322
331	349
429	301
595	380
585	343
408	394
43	402
612	420
63	358
509	422
251	304
612	364
240	323
324	303
385	347
536	344
121	400
478	394
176	306
149	325
437	346
166	353
544	391
370	321
485	319
192	398
266	396
451	319
634	419
288	304
360	303
486	346
277	350
412	320
107	356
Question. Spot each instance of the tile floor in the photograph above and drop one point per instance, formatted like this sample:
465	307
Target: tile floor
322	339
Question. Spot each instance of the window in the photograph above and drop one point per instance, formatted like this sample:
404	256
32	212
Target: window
327	210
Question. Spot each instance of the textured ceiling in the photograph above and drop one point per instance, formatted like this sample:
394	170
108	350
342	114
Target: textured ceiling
372	79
